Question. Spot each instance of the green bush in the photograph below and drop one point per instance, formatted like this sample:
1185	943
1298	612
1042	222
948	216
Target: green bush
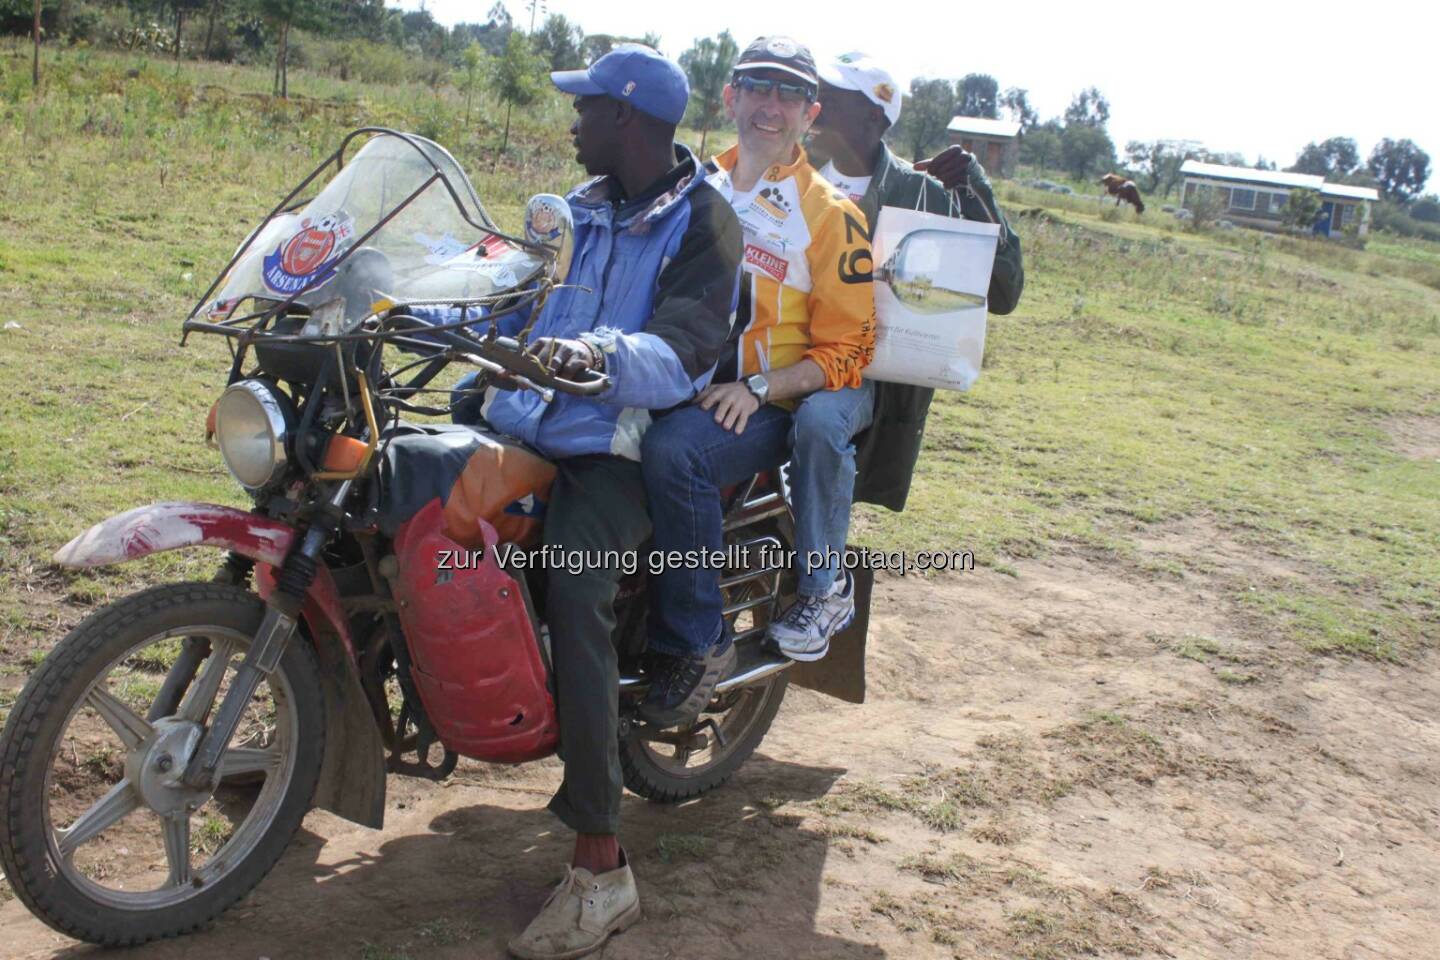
1300	210
378	63
1426	209
1204	206
361	60
1393	218
93	24
1350	237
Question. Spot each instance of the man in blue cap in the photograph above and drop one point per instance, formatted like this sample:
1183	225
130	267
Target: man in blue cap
649	300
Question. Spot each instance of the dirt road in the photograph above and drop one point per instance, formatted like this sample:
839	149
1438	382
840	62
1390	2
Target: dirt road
1082	759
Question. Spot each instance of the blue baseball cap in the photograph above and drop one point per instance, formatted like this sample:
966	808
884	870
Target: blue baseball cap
635	74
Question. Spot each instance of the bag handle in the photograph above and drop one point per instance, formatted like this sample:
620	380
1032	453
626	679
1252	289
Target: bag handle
956	210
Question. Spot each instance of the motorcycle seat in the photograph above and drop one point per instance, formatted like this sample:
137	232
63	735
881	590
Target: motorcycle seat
476	476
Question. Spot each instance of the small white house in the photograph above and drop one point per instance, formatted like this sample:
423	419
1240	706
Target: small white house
995	142
1257	198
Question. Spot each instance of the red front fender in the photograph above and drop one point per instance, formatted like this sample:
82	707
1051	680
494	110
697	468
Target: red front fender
168	526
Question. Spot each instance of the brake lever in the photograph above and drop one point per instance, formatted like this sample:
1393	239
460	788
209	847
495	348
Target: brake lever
546	393
495	369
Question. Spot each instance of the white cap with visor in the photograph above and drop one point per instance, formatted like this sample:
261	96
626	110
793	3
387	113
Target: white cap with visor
859	71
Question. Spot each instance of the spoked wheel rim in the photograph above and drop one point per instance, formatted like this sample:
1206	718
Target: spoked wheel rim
153	754
735	714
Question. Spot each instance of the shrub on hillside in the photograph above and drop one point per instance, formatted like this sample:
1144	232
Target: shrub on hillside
93	24
1300	210
118	27
1426	209
1392	218
1350	237
298	52
364	60
1204	207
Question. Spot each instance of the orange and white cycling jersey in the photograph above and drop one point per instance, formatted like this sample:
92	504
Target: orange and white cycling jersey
806	279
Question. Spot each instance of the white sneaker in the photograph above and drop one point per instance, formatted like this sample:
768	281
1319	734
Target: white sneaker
582	912
803	631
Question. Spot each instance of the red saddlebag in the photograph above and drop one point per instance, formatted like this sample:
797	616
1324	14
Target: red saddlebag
476	660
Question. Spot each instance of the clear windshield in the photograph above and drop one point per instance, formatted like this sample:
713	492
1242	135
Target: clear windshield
426	250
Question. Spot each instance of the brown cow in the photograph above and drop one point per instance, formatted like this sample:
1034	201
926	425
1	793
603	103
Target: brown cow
1122	189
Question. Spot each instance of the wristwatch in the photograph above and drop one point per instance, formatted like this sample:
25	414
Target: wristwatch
759	386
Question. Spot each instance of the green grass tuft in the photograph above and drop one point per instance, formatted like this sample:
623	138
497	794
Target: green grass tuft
683	846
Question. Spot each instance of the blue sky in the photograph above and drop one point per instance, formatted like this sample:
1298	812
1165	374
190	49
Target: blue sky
1253	77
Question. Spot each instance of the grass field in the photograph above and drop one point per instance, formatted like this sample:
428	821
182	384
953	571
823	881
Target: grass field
1151	374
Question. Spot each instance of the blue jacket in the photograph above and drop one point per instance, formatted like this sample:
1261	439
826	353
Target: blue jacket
653	283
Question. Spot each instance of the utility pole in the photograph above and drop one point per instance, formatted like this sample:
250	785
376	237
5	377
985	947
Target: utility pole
35	69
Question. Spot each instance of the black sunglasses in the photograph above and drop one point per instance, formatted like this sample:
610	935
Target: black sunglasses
789	92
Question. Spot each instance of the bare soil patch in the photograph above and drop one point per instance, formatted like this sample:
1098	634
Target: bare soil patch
1214	556
1415	437
1051	765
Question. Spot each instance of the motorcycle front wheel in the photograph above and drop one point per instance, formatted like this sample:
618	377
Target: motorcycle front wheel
98	836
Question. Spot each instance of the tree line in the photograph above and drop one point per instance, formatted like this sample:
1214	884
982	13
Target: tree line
368	40
1076	142
363	39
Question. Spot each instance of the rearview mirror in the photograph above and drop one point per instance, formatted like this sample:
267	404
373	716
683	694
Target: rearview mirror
922	269
549	223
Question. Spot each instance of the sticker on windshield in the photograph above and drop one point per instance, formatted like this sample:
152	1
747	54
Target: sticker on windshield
221	309
499	272
441	248
492	246
308	256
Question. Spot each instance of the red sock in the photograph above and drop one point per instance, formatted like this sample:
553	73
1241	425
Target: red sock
597	852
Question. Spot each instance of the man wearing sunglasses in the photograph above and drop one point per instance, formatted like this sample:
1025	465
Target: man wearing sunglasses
861	102
788	387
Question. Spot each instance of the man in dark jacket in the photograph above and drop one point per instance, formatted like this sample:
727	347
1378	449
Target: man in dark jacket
649	299
860	102
650	219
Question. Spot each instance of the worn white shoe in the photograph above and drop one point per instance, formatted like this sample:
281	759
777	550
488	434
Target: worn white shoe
803	630
582	911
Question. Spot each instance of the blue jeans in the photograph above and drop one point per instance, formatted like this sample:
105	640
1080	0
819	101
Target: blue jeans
687	458
822	479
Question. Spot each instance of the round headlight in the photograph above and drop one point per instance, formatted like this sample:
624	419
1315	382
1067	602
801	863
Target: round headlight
252	426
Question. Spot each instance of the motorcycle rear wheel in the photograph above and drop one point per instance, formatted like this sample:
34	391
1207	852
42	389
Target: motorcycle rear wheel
698	762
670	773
145	858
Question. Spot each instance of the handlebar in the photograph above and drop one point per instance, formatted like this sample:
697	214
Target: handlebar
594	383
503	357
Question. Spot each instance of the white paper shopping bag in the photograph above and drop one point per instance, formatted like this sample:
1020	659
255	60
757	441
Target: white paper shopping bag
931	277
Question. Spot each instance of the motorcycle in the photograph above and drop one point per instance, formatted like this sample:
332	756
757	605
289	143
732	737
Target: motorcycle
161	758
